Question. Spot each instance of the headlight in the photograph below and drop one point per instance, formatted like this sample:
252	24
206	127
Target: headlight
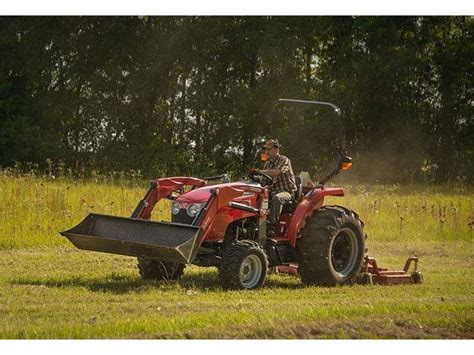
175	208
193	209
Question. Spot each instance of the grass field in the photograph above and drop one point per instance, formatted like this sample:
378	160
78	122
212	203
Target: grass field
48	289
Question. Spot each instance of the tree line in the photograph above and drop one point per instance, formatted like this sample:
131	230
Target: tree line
195	95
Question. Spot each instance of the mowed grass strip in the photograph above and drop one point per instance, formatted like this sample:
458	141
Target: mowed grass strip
65	293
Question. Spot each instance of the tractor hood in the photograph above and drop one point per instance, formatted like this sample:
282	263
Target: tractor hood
201	195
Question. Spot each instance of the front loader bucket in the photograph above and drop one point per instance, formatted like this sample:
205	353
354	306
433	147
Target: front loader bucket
165	241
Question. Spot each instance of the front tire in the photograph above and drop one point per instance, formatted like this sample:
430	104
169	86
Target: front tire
244	266
331	248
154	269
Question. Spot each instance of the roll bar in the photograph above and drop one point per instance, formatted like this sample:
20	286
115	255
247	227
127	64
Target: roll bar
307	102
342	157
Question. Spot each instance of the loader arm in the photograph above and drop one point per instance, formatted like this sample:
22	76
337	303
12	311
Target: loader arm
162	188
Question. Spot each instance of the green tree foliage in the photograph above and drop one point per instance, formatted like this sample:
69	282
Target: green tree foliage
194	95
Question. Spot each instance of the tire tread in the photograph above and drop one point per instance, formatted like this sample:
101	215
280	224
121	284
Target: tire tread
313	246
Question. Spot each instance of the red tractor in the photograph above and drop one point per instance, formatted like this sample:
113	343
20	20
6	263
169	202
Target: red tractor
224	225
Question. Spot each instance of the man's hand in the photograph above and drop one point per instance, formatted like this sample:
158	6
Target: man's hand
253	171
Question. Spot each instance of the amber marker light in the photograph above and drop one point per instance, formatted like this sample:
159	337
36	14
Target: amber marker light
263	156
346	166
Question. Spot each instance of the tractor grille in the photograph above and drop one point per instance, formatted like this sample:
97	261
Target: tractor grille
182	217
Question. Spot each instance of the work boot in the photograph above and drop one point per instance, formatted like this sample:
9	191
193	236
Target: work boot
270	230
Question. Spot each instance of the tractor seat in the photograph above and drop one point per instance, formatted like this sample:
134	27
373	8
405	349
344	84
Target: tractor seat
290	206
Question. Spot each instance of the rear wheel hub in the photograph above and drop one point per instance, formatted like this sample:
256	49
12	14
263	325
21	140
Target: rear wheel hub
344	252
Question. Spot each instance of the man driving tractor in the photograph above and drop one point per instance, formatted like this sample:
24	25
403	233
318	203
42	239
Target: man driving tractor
223	225
284	186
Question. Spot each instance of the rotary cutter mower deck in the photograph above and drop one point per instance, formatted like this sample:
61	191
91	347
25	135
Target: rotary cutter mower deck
224	225
372	274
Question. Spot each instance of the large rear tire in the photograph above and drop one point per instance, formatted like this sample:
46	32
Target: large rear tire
244	266
331	248
153	269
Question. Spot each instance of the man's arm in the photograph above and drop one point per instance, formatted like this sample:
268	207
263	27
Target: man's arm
281	167
271	172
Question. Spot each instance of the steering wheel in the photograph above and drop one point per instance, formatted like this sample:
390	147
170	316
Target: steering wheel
261	178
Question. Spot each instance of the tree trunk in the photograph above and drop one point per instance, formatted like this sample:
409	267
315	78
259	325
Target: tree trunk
251	116
309	55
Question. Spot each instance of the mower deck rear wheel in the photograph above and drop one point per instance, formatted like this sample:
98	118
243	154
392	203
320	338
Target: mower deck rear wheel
417	277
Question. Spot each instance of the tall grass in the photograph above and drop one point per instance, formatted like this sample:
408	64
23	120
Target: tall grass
33	209
416	213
